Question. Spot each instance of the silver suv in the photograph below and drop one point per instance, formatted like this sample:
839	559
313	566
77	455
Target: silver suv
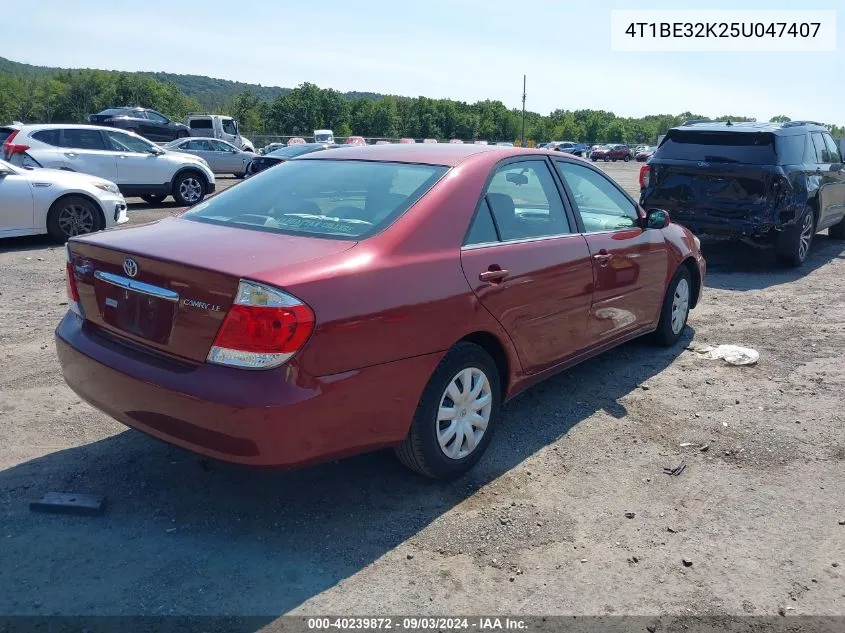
137	166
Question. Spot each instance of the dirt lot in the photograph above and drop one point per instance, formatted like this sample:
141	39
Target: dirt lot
539	527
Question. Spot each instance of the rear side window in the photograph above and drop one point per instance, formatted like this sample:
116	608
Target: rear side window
5	132
198	145
82	139
51	137
482	231
200	124
750	148
324	198
790	149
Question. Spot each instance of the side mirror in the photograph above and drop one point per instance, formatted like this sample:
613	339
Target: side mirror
657	219
156	151
517	179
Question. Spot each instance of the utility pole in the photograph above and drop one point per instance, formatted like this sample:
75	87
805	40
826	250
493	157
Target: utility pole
523	110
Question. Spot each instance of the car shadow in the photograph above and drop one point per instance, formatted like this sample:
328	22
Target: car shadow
735	265
182	535
29	242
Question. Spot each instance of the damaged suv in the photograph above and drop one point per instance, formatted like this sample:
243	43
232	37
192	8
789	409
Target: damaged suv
772	183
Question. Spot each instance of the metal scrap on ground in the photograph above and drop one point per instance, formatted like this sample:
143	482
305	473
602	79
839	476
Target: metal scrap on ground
731	354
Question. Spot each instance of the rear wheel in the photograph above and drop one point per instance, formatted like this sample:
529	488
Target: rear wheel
456	415
675	310
627	158
792	246
72	215
189	188
837	231
154	198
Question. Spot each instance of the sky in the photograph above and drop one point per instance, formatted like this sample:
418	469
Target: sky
461	49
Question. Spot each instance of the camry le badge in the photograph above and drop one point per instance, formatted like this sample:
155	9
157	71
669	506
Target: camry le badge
130	267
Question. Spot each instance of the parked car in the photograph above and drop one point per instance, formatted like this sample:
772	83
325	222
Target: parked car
137	166
569	147
60	203
222	157
481	142
504	144
406	141
774	183
148	123
644	153
429	140
324	136
271	147
612	152
218	126
283	154
456	141
296	140
383	142
273	331
355	140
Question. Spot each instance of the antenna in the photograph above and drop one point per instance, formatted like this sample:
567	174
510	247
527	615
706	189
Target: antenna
523	109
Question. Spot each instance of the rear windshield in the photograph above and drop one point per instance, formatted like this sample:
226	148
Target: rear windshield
5	132
200	124
113	111
749	148
324	198
294	150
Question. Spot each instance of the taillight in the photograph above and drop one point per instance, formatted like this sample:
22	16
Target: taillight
10	148
264	328
72	291
644	176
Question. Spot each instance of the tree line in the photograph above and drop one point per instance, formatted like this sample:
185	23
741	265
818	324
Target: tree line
70	96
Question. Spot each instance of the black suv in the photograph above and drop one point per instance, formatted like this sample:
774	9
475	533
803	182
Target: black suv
148	123
773	183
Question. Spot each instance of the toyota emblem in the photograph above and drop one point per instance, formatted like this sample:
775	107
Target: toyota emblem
130	267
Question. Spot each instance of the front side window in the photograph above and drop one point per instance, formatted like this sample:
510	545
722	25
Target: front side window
321	198
83	139
832	150
156	117
136	114
601	205
220	146
525	202
821	153
122	142
229	126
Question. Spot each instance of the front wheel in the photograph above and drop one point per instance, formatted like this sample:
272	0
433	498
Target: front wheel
627	158
607	159
189	188
71	216
792	246
456	415
675	309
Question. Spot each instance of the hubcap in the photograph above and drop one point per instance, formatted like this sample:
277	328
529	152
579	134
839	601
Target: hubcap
190	189
806	237
76	219
680	306
464	413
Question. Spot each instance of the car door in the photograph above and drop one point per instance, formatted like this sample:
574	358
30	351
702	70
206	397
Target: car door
136	162
229	157
86	151
16	201
629	263
528	266
158	127
829	170
229	129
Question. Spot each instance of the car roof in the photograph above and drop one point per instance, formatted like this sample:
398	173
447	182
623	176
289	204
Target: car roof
786	128
67	126
446	154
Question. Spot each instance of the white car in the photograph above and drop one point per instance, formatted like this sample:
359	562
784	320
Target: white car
61	203
222	157
138	166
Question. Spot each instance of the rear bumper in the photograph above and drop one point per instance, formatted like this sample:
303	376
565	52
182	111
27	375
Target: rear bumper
279	417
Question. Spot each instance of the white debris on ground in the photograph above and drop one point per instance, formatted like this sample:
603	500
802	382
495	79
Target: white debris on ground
731	354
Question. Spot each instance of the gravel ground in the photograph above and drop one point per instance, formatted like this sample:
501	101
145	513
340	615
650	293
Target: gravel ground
540	527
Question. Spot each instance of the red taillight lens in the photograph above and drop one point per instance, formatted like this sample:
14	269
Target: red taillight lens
72	292
263	328
70	283
645	174
10	148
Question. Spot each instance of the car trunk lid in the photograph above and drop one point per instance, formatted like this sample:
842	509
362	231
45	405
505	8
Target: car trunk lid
167	286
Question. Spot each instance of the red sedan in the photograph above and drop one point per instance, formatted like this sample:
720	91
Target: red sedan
368	297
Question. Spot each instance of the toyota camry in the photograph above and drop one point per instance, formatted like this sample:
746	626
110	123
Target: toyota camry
368	297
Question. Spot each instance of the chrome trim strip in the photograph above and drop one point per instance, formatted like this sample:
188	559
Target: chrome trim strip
137	286
524	240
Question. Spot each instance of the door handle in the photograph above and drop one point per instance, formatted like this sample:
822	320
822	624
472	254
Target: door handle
493	275
602	257
70	154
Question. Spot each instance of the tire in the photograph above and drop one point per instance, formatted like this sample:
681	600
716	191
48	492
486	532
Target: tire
607	159
675	309
73	215
837	231
593	159
240	176
792	246
627	158
189	188
182	134
156	198
421	450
